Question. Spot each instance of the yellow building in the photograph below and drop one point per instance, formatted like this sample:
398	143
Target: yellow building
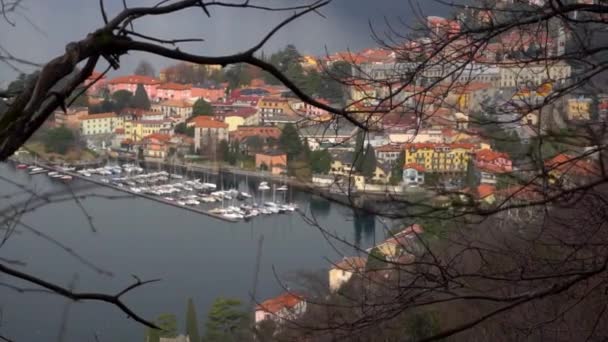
579	109
234	122
103	123
440	158
138	129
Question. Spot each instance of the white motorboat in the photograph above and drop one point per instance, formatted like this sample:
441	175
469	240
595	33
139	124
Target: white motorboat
37	170
66	178
210	186
283	188
233	216
263	186
192	202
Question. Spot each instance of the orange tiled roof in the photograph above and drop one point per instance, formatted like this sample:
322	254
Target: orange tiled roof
570	164
207	122
489	155
485	190
284	301
135	79
159	136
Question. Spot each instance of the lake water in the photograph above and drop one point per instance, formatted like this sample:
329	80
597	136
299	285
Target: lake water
196	256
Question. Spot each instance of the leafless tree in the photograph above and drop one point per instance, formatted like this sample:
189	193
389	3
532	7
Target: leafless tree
529	264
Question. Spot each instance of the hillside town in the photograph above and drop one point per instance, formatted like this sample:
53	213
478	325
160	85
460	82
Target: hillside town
202	114
466	127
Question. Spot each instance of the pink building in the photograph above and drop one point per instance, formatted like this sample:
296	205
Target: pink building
173	91
130	83
208	94
493	161
94	89
309	111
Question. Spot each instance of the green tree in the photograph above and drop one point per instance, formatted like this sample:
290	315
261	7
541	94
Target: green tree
182	128
140	99
320	161
59	140
397	169
263	167
331	87
121	99
368	167
202	107
227	321
168	328
192	322
290	142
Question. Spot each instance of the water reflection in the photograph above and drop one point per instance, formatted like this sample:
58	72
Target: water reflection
365	226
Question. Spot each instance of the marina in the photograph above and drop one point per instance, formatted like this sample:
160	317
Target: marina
231	205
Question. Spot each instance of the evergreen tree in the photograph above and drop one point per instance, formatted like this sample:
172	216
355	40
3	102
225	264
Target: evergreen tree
471	176
227	321
359	150
290	142
182	128
140	99
397	170
202	107
192	322
368	167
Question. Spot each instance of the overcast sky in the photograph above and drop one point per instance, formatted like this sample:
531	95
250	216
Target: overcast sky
45	26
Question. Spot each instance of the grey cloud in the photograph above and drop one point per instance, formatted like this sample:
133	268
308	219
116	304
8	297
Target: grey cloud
228	30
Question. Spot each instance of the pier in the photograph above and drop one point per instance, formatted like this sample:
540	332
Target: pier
142	195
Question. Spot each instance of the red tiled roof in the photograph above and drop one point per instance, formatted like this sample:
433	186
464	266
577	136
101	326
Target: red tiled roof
415	166
485	190
570	164
159	136
489	155
207	122
174	86
135	79
284	301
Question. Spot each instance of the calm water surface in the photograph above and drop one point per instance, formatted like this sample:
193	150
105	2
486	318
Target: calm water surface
196	256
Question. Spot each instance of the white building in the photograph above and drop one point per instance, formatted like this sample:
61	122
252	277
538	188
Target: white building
174	108
341	272
103	123
285	307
